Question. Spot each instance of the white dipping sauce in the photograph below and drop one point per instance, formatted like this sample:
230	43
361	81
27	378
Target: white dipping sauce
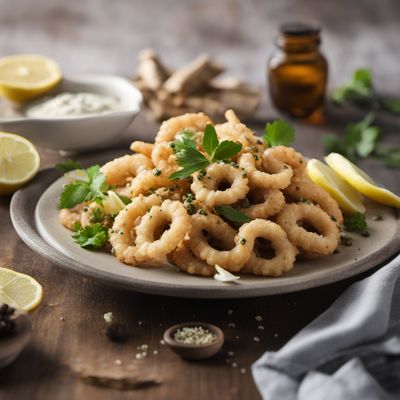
74	105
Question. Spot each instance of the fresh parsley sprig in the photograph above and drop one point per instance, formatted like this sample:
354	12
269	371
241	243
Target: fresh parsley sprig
188	157
361	140
232	214
278	133
361	92
92	237
93	188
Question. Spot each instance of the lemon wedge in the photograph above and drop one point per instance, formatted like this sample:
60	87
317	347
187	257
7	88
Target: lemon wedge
357	178
349	200
24	77
19	290
19	162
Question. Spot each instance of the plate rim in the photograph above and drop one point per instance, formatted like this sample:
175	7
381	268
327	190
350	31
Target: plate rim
22	212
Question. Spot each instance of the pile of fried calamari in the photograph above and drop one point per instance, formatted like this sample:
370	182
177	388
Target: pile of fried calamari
252	212
191	88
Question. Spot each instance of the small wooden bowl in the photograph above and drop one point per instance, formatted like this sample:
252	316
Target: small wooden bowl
11	347
194	351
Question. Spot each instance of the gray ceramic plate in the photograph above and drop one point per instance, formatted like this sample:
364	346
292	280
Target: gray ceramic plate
35	218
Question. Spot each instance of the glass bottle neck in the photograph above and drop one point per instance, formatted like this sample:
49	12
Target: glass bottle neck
299	44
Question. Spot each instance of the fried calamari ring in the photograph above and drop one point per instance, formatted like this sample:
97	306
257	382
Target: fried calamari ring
163	157
285	251
122	234
206	185
263	203
186	261
142	147
293	216
190	121
278	157
149	180
200	244
161	230
278	179
118	172
71	216
305	189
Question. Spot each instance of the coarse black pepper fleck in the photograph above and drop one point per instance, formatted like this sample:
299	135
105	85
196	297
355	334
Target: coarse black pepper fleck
156	172
346	240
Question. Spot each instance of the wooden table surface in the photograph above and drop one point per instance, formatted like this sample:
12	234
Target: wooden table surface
102	36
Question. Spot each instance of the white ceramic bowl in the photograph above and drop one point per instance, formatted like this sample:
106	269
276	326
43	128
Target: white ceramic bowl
83	132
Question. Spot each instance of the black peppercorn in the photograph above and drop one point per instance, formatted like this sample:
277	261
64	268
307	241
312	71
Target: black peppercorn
116	332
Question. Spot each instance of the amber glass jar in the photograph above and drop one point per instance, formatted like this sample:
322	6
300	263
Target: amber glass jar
297	70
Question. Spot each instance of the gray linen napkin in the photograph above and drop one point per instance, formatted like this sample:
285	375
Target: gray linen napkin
350	352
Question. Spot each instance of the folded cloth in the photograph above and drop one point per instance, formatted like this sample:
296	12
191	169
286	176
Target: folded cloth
350	352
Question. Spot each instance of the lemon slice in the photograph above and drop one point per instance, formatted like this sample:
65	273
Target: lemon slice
349	200
19	162
24	77
19	290
361	181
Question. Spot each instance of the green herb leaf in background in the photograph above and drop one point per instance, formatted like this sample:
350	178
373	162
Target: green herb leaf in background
92	237
279	133
69	165
360	92
232	214
361	140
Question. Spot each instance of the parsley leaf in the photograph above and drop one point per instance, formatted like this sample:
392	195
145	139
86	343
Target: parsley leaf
69	165
360	140
73	194
126	200
92	237
225	150
355	223
188	157
210	140
232	214
91	189
360	92
278	133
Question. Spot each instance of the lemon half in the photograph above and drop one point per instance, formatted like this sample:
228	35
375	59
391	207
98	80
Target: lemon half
19	290
19	162
24	77
361	181
349	200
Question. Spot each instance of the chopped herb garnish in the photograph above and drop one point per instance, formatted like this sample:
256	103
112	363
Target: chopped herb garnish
156	172
355	223
202	211
97	215
93	236
377	218
243	241
232	214
346	240
278	133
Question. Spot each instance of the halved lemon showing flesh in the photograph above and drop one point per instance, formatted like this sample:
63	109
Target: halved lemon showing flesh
19	290
19	162
24	77
349	200
360	181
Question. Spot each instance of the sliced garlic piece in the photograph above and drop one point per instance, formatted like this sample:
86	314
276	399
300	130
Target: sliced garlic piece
112	203
223	275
